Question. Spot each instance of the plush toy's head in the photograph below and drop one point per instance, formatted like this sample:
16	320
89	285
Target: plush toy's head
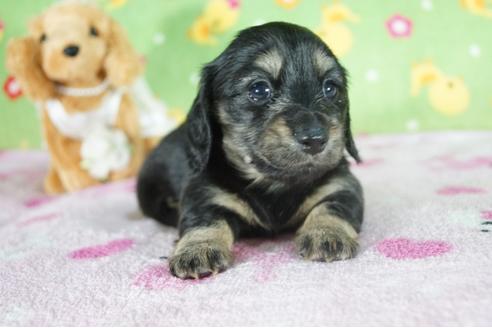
74	43
73	40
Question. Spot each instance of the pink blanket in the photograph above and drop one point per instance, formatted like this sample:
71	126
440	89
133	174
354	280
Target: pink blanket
90	258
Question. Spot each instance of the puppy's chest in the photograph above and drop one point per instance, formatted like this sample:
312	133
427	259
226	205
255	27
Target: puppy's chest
274	212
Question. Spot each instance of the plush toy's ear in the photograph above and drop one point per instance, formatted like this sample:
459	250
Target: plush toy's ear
23	61
349	140
122	63
198	124
35	26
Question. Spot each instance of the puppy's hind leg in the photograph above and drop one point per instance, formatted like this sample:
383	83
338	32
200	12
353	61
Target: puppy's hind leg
156	197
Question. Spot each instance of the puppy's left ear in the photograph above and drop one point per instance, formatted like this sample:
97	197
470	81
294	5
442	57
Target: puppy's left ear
349	140
122	63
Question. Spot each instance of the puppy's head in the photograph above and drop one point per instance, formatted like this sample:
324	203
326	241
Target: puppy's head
278	99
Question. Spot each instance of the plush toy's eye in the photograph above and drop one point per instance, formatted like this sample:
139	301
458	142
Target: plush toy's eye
330	89
42	38
260	91
93	31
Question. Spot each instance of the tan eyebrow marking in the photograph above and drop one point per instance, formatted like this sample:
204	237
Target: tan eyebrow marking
271	62
323	62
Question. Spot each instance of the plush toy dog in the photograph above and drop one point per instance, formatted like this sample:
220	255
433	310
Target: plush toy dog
98	116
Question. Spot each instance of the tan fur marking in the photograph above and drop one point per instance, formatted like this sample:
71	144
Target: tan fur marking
220	233
234	155
203	250
270	62
237	205
323	62
320	217
326	237
234	152
223	117
278	129
335	185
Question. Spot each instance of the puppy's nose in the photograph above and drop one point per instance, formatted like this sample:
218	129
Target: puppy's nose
313	140
71	50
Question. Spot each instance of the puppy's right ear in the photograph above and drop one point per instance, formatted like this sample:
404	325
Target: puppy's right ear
198	124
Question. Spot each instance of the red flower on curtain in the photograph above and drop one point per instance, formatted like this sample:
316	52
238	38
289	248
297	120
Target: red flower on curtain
12	88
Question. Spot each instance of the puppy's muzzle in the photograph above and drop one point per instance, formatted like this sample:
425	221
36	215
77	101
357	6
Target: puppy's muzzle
310	133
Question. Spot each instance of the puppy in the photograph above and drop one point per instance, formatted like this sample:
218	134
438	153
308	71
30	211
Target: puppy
261	152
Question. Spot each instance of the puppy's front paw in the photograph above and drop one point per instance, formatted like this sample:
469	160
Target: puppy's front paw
200	260
326	243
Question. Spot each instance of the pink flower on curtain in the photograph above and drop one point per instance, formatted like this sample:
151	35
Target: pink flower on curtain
399	26
2	28
233	4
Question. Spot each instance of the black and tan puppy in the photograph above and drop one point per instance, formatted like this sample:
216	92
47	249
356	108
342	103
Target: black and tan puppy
261	152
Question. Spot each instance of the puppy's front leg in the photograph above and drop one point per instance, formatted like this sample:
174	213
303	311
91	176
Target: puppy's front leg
207	235
330	230
202	251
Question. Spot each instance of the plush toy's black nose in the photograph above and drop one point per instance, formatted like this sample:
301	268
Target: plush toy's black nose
71	50
313	140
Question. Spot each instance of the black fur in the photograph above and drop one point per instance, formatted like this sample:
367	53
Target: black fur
265	168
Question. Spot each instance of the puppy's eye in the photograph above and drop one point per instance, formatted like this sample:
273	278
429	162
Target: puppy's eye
42	38
93	31
329	89
260	91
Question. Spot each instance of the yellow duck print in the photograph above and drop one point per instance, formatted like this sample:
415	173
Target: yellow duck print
478	7
115	4
447	95
177	114
287	4
333	30
217	17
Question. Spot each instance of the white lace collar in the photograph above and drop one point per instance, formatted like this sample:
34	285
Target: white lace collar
83	92
78	125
